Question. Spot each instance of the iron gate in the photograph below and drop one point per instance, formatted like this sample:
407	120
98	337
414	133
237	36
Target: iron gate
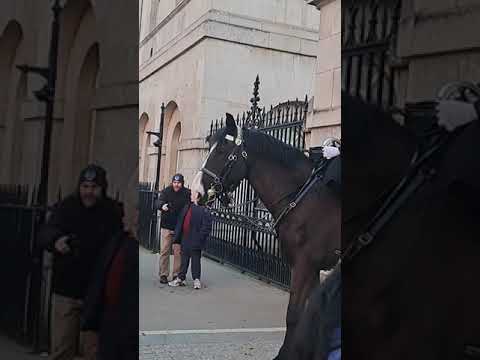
147	227
369	40
242	237
23	274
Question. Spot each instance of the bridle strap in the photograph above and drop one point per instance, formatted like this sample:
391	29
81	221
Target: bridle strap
417	175
232	158
317	174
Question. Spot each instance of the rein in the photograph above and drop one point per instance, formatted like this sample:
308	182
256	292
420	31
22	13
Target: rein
417	175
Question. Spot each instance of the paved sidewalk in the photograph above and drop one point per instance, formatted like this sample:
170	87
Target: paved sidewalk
10	350
234	317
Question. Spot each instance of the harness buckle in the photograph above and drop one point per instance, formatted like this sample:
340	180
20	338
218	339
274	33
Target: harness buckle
244	154
232	157
293	204
365	238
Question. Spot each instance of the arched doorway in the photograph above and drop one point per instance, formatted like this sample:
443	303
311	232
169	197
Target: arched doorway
79	73
143	144
172	138
85	113
18	164
174	150
12	93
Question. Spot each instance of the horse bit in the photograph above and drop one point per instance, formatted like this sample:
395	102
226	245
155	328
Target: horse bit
218	185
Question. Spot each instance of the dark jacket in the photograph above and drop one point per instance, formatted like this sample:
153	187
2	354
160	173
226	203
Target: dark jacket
176	201
91	228
200	227
117	325
333	174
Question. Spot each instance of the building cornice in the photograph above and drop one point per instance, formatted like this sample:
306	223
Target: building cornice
165	21
318	3
231	28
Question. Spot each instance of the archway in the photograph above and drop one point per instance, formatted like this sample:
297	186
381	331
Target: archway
143	144
12	93
18	164
172	137
85	113
174	150
79	71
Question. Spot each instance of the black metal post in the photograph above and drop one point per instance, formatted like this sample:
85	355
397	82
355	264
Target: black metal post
52	78
158	144
159	157
47	95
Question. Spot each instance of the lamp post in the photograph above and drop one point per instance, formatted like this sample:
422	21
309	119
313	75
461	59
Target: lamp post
47	95
158	144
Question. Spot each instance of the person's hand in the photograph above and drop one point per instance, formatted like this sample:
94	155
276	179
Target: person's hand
61	245
452	114
165	207
330	152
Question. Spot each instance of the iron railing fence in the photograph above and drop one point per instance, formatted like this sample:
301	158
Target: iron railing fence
369	41
24	314
243	236
148	232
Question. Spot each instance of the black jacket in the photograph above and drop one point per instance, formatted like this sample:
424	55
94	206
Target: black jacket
176	201
91	228
117	326
200	227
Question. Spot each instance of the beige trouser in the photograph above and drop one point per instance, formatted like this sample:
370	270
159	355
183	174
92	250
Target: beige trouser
166	243
67	341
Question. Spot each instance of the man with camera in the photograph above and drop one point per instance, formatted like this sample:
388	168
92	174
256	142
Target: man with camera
76	233
171	201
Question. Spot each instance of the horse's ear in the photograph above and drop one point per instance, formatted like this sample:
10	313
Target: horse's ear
231	124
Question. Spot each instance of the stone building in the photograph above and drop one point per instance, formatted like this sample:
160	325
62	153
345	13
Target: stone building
325	114
414	47
438	42
201	57
96	104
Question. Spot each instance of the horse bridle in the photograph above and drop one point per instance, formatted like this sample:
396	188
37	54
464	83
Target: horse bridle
238	152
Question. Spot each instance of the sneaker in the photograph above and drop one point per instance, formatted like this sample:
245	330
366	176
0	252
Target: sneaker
177	282
197	284
163	279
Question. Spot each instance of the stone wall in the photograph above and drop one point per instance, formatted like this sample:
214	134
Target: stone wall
324	118
440	43
206	56
96	105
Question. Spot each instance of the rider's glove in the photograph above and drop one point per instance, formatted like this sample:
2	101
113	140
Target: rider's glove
330	152
452	114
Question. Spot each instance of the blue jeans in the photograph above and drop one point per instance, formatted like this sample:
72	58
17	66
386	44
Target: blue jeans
336	345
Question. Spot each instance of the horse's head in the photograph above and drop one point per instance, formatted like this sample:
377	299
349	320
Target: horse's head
225	166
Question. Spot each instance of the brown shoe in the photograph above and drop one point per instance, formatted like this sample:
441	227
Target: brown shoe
163	279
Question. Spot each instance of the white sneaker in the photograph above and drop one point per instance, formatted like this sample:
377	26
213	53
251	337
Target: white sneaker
197	284
177	282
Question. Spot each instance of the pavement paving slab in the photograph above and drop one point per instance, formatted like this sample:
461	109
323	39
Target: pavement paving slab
234	316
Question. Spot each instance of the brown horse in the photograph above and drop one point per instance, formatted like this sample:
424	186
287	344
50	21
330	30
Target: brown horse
413	292
309	235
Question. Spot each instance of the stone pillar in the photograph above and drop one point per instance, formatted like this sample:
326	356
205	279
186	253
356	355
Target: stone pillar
323	121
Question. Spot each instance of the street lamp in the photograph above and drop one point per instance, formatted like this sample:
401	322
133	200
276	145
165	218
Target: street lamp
47	95
158	144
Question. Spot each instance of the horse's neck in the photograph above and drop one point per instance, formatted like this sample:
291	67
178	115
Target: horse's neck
370	170
273	182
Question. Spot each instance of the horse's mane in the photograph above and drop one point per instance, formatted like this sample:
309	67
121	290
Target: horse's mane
267	146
